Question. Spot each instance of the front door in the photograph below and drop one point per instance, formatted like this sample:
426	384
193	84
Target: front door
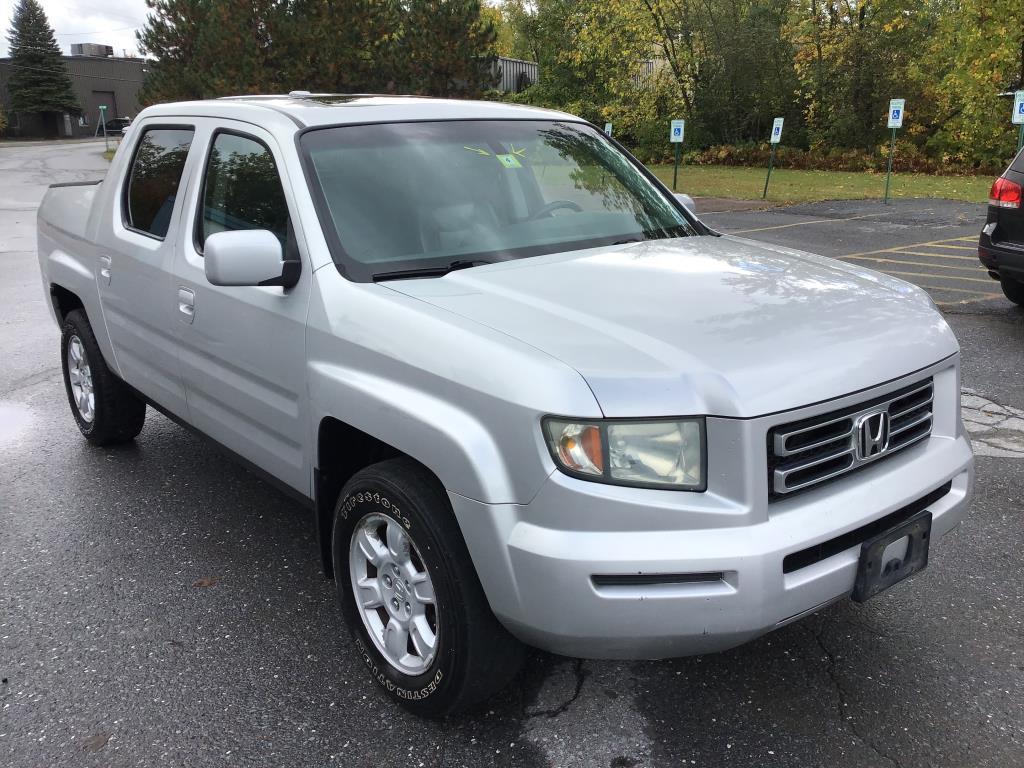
242	348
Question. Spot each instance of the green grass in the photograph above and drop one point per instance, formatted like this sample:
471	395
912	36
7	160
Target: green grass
788	186
109	154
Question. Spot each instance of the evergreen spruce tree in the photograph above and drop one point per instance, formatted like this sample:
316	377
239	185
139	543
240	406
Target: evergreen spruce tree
446	48
39	81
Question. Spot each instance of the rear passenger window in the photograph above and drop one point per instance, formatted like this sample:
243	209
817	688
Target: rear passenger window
242	189
154	177
1018	162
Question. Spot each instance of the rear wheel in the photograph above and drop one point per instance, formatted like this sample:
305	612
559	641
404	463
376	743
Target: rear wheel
106	410
1013	289
410	595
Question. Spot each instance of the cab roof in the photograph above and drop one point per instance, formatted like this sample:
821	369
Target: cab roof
323	109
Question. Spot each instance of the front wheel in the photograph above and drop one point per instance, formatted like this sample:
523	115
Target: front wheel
1013	290
410	595
106	411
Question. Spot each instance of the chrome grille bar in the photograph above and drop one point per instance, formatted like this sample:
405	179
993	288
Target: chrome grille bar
811	451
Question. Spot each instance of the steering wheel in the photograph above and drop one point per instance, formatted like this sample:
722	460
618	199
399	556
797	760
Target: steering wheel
554	205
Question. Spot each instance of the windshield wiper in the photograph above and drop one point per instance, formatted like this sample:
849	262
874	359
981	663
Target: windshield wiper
435	271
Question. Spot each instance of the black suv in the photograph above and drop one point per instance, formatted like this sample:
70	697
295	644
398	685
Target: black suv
1001	246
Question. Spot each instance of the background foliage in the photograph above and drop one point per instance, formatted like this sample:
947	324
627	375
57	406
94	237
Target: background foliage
207	48
38	81
828	66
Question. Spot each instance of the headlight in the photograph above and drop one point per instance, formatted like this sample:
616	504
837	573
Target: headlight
660	453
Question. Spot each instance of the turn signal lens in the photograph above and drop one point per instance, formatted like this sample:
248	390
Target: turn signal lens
1005	194
577	446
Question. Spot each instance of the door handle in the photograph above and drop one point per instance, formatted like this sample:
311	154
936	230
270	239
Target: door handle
187	304
105	262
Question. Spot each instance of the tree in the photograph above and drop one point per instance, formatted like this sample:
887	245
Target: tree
38	81
443	48
339	46
205	48
977	53
170	37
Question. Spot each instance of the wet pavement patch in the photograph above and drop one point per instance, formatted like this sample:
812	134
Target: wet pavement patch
13	421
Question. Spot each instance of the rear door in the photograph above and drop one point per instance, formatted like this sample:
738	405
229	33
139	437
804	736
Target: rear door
136	259
242	348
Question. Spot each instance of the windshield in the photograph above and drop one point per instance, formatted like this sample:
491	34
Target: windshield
407	196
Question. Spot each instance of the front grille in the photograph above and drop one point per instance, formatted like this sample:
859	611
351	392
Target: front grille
804	453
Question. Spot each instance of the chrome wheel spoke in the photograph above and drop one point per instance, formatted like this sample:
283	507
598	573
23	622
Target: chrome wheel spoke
398	543
423	588
423	637
396	640
369	593
370	546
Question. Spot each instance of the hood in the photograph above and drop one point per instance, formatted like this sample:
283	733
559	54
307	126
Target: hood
703	325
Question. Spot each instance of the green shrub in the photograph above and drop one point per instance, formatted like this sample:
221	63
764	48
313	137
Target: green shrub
909	158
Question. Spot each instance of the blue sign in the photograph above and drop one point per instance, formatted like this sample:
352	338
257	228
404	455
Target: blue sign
896	110
677	131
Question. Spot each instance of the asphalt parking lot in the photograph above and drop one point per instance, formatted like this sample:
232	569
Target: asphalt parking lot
160	606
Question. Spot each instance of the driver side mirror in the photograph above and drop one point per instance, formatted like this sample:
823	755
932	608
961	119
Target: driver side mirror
248	257
687	202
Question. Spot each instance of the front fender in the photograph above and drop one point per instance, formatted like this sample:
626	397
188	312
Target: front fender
463	400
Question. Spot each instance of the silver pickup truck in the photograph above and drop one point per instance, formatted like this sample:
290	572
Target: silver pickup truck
527	394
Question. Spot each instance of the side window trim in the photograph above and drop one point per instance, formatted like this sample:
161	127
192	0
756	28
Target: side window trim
126	181
197	224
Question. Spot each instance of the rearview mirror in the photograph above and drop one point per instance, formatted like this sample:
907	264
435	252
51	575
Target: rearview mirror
687	202
248	257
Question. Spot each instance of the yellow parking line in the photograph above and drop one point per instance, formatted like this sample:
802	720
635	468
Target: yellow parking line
884	260
957	247
983	296
803	223
962	302
940	255
895	248
940	277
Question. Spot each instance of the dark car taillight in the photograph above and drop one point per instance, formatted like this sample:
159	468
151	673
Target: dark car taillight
1004	194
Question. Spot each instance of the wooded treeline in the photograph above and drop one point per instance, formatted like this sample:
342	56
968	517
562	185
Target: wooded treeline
207	48
728	66
828	66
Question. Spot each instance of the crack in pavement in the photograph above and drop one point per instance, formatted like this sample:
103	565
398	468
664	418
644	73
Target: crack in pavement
848	722
580	675
995	430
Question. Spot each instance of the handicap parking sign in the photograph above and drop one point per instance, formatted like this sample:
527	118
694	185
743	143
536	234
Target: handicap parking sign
677	131
896	109
776	136
1018	108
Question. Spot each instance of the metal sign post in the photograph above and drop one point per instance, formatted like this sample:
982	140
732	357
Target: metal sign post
676	132
103	122
1018	117
774	139
896	110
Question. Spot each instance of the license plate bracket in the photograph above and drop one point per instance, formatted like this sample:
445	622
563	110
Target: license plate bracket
874	575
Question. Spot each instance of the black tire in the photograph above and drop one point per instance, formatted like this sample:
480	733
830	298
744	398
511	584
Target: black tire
476	656
1013	290
117	413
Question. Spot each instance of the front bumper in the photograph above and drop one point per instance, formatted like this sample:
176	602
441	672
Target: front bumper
537	562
